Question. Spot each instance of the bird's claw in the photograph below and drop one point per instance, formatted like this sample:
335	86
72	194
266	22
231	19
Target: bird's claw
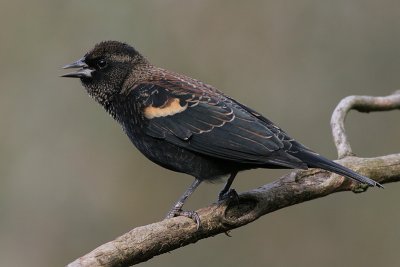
227	233
186	213
231	195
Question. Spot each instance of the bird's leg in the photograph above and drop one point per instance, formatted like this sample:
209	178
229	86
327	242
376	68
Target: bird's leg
177	208
227	193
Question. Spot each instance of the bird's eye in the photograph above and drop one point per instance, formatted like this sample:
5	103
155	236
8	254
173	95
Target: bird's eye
102	63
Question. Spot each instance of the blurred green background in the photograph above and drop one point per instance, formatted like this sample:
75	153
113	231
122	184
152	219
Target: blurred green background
70	180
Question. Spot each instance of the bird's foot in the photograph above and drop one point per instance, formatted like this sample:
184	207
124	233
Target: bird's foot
186	213
231	195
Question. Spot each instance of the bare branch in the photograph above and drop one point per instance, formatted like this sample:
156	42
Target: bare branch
145	242
362	104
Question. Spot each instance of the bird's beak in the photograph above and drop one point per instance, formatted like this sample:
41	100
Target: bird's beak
83	72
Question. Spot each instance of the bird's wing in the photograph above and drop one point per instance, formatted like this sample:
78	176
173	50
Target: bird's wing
290	145
197	117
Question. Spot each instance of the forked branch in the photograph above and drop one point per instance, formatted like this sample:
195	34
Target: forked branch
144	242
362	104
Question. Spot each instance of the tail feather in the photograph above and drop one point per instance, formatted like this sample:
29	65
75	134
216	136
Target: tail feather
314	160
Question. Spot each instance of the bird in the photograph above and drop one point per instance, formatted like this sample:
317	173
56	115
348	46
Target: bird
189	126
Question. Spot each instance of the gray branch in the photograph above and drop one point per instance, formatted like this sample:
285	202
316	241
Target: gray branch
362	104
145	242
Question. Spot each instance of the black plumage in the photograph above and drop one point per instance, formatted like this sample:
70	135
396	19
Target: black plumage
188	126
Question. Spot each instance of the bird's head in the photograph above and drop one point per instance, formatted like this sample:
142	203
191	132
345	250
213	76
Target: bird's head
105	69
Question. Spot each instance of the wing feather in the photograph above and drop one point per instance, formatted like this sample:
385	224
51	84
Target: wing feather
207	122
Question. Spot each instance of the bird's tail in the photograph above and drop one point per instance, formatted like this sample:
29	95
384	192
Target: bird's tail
315	160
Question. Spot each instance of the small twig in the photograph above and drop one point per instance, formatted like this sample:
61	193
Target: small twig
362	104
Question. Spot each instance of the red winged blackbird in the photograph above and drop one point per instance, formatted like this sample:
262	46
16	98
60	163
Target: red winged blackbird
188	126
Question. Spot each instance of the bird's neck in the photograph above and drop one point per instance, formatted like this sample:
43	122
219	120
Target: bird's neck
125	110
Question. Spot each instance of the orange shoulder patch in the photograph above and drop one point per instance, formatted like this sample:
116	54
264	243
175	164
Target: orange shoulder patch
171	107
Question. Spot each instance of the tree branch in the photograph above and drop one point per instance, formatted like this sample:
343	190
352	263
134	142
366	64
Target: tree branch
145	242
362	104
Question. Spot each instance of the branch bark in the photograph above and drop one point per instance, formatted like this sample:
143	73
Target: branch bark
144	242
362	104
